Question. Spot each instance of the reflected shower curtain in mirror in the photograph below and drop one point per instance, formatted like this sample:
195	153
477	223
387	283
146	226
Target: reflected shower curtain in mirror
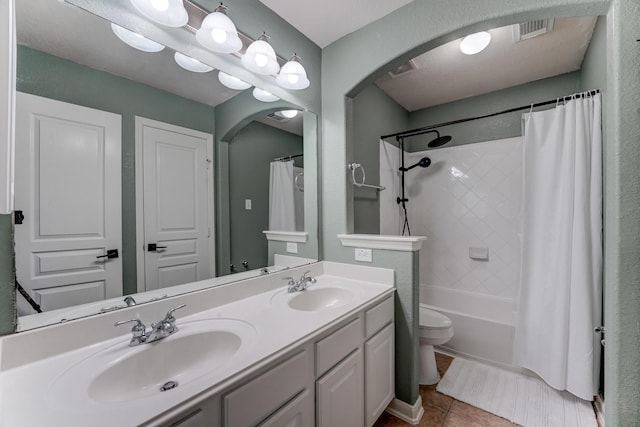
561	279
281	197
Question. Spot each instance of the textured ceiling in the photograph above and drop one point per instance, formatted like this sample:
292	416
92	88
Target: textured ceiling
445	74
326	21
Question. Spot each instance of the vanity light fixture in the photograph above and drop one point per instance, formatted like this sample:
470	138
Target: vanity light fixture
263	95
218	33
232	82
164	12
191	64
293	75
288	114
260	57
135	40
475	43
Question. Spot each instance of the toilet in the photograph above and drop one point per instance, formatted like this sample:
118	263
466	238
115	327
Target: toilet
435	329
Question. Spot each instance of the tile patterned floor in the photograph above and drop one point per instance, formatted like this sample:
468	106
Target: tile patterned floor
443	411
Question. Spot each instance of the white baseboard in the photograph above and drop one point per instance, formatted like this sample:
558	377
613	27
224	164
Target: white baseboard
408	413
598	404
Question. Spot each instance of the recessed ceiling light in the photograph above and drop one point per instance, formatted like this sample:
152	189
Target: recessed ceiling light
475	43
289	114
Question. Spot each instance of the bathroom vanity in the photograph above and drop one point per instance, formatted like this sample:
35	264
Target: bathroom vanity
245	354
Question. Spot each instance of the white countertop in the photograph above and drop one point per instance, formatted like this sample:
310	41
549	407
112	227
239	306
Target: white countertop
38	390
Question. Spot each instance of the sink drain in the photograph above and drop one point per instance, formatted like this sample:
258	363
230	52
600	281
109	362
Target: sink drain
169	385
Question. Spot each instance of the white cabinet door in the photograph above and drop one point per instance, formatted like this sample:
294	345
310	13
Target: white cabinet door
67	180
379	373
177	188
340	394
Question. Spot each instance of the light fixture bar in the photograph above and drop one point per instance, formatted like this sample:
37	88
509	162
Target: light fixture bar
197	15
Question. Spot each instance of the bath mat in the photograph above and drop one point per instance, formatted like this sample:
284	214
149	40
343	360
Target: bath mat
523	400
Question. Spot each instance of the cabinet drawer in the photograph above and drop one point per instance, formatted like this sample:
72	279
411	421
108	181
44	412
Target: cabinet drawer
259	398
379	316
297	413
338	345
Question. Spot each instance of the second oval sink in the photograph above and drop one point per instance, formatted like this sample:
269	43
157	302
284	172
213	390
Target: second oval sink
320	298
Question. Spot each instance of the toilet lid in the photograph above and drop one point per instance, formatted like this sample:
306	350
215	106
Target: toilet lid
433	319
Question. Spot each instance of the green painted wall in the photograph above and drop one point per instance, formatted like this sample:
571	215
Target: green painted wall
7	289
45	75
250	154
374	114
622	215
498	127
593	74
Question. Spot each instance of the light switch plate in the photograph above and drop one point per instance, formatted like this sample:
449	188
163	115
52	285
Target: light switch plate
363	255
247	204
292	248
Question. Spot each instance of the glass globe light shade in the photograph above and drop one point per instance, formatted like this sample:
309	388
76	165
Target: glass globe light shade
261	58
191	64
135	40
293	75
289	114
218	33
232	82
264	96
475	43
170	13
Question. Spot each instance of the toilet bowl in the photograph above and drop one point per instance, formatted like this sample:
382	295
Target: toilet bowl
435	329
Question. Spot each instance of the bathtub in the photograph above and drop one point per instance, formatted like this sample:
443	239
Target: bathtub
483	325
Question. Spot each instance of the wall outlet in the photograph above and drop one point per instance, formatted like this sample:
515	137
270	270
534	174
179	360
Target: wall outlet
363	255
292	248
247	204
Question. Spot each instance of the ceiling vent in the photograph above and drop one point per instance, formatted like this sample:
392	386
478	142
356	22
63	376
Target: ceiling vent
277	117
403	69
528	30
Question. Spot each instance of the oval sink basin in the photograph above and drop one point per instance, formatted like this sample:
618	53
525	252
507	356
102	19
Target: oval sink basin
315	298
121	373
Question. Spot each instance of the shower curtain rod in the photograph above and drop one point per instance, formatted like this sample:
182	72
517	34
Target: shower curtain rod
279	159
419	131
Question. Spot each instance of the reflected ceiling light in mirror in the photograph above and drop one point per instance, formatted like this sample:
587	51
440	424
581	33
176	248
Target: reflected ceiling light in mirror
135	40
191	64
260	57
232	82
293	75
218	33
289	114
165	12
475	43
264	96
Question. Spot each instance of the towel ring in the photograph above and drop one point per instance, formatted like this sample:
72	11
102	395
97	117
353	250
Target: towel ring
297	184
354	167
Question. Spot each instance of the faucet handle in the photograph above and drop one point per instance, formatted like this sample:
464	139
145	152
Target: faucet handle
304	275
169	315
138	329
290	279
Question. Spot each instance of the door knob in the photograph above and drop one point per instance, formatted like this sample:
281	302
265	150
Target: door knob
111	253
151	247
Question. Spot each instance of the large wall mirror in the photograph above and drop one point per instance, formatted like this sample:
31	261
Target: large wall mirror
123	184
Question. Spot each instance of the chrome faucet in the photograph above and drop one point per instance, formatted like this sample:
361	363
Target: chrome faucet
159	330
301	284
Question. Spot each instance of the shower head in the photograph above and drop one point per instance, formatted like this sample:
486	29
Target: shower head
439	141
423	163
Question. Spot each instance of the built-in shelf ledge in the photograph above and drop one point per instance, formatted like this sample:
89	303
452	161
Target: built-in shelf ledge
287	236
374	241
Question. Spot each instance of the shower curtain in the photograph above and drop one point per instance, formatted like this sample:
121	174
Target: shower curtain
561	278
281	197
